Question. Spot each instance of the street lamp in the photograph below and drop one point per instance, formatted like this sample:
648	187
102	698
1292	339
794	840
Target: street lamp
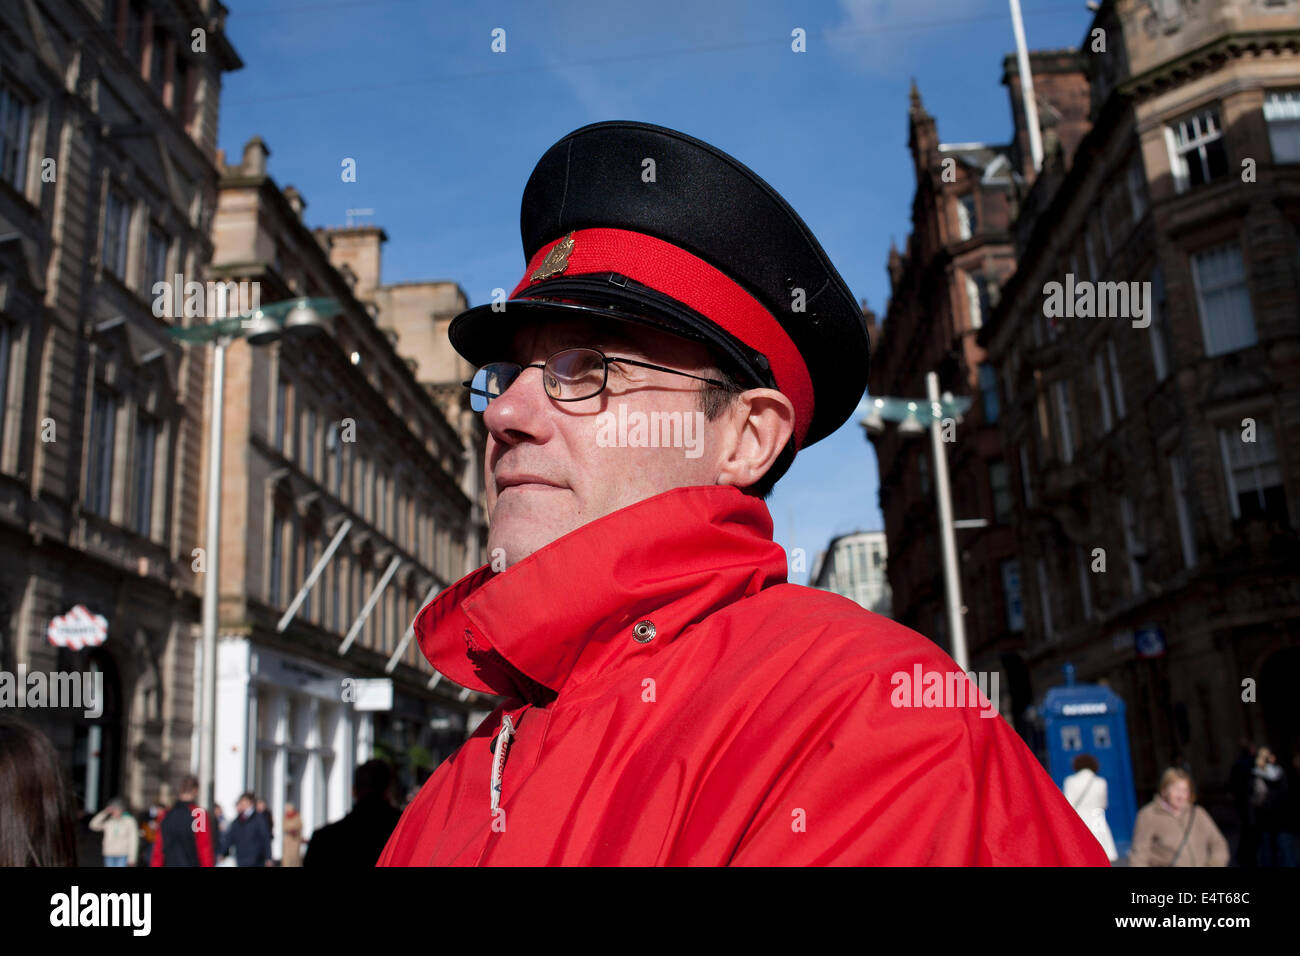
909	413
259	327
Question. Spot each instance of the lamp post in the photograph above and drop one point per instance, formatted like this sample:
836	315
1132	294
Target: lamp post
260	327
911	414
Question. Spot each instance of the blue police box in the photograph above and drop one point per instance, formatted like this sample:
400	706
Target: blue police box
1089	718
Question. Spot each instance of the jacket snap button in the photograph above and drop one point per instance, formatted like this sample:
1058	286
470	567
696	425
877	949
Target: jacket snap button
644	632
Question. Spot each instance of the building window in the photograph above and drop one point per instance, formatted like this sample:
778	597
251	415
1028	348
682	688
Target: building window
1045	600
277	550
6	352
1011	595
146	441
1065	419
15	125
1116	383
157	49
1000	482
1197	153
989	392
1137	188
336	580
155	257
309	441
134	47
103	416
1128	522
308	562
334	452
1183	508
967	216
1085	586
1024	474
1282	112
1107	420
281	412
1253	473
1223	299
117	223
973	303
1159	328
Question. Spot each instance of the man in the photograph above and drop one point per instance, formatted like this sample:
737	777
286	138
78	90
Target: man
359	838
248	835
678	335
121	833
183	831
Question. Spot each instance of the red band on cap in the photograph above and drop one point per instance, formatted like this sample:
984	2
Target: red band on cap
698	285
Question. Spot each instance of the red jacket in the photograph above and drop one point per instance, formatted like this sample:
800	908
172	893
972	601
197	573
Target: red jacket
196	822
754	726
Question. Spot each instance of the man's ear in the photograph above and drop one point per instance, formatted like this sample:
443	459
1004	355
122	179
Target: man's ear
761	421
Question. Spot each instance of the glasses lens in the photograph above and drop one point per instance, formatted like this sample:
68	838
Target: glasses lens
489	382
574	374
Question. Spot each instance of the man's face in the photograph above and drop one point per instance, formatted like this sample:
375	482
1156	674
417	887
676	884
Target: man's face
551	467
243	805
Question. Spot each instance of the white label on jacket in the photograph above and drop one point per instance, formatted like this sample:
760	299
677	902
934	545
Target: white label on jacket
499	758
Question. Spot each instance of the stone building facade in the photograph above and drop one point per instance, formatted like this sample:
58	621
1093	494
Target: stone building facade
944	287
329	434
108	121
1150	398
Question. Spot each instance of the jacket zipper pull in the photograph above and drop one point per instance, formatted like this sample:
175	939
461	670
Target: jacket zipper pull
499	758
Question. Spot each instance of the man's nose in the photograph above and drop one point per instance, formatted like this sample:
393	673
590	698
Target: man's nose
520	411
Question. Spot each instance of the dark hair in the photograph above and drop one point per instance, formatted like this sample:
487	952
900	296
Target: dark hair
714	401
247	795
372	778
1086	760
38	825
188	784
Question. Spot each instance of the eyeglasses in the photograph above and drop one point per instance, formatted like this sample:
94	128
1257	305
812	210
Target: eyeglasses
569	375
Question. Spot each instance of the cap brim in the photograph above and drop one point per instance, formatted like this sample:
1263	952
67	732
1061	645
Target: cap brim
479	334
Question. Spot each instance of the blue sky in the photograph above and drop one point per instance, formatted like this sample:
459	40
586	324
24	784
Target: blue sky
445	132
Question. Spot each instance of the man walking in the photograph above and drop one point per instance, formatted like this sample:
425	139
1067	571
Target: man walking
669	698
248	835
183	831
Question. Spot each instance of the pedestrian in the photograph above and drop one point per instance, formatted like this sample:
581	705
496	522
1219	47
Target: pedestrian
1241	780
265	813
1270	801
1172	830
357	840
291	852
248	835
121	833
1086	791
667	697
184	836
38	820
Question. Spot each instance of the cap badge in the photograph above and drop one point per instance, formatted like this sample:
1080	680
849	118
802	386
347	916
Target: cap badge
556	260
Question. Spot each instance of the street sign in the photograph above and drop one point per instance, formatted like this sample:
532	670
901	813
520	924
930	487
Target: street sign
77	629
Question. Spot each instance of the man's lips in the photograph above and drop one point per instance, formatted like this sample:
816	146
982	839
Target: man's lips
523	481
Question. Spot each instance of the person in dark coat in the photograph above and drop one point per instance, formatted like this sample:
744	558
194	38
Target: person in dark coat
359	838
1240	784
248	835
1270	801
184	835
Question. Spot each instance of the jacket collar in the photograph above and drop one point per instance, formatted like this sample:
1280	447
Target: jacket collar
568	611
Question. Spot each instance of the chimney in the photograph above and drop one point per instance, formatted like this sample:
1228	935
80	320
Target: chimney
255	153
295	200
358	247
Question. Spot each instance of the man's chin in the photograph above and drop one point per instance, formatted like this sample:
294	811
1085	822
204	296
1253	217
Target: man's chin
514	538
